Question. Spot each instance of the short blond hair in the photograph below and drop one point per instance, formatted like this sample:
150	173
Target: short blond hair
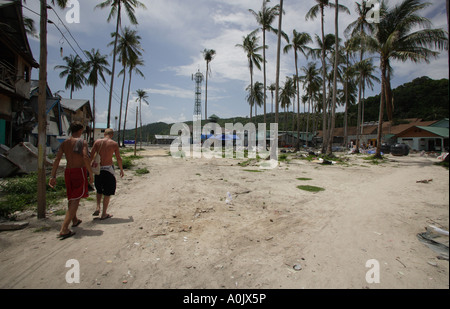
109	132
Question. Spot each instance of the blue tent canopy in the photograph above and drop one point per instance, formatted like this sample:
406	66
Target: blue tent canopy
223	137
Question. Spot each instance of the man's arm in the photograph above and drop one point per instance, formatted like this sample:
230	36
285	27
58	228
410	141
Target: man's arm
93	151
119	160
87	162
52	181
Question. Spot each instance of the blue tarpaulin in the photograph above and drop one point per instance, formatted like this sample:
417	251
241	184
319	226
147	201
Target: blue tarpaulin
223	137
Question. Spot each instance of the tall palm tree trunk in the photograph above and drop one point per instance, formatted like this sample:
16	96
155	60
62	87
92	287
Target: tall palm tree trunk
113	66
382	102
206	91
121	105
277	94
298	102
251	89
140	123
358	124
362	106
336	56
93	115
346	105
324	85
264	68
307	117
126	110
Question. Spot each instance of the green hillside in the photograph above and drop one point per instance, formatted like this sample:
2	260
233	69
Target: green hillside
421	98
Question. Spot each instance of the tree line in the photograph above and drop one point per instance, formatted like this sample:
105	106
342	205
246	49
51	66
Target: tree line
346	68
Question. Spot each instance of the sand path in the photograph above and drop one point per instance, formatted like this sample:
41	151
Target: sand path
172	228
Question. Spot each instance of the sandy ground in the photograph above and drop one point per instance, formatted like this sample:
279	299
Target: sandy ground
172	228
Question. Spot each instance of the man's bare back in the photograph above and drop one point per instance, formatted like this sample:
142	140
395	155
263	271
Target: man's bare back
74	160
106	148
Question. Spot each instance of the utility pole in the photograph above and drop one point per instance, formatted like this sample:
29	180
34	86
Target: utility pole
42	119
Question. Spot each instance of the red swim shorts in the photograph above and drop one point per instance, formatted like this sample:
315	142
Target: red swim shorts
76	183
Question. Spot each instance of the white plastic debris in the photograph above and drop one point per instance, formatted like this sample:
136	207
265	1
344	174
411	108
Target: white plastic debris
229	199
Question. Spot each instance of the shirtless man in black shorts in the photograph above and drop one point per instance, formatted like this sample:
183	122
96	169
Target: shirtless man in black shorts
105	183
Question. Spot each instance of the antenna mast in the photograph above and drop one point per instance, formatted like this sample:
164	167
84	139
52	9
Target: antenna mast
198	77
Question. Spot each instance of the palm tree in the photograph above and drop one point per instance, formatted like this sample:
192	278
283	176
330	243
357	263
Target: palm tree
311	83
251	47
286	94
255	94
396	38
312	14
361	26
272	87
128	47
337	8
208	55
349	84
74	70
265	19
326	45
359	30
364	72
142	96
96	65
116	10
299	42
133	64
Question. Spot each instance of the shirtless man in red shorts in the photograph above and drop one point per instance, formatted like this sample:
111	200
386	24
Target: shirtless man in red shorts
75	175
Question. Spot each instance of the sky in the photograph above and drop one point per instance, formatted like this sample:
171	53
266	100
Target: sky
175	32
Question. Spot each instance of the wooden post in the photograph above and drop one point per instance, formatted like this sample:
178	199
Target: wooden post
42	119
135	130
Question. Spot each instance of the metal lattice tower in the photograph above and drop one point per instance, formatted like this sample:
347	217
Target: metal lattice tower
198	77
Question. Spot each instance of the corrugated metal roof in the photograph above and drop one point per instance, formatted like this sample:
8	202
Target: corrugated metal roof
74	104
442	132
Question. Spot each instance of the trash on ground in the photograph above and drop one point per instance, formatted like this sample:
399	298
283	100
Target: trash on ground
436	239
424	181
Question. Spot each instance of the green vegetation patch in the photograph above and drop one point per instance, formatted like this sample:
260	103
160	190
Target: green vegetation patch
375	160
20	193
142	171
304	178
443	163
254	171
283	157
311	188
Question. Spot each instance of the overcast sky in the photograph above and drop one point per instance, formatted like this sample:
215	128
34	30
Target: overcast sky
174	34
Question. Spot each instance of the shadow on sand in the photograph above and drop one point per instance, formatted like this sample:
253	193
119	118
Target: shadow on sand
113	220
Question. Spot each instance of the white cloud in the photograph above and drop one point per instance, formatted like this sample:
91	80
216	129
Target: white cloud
172	91
174	119
174	32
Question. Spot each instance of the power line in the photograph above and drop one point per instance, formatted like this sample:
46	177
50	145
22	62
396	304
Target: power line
117	99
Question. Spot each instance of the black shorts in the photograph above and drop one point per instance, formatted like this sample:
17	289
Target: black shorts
105	183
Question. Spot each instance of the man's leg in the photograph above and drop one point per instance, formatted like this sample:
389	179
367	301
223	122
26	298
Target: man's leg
99	188
99	201
71	214
106	200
